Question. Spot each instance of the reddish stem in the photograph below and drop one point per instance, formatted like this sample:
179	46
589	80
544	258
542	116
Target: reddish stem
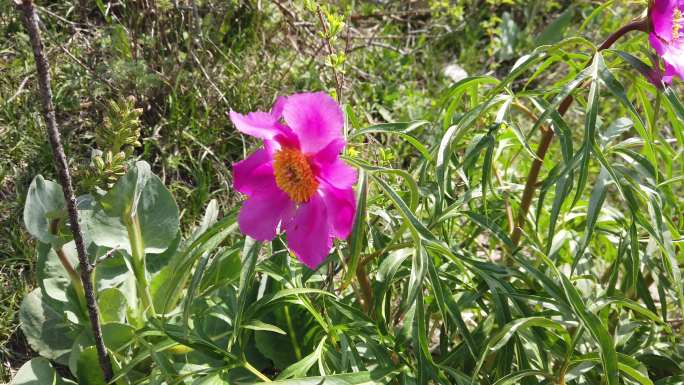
547	135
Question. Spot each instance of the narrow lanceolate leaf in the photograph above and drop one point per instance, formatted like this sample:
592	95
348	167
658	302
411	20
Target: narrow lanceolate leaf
500	339
674	101
400	129
419	270
494	228
598	196
357	238
449	307
627	365
589	124
414	222
598	331
250	252
361	378
514	378
454	134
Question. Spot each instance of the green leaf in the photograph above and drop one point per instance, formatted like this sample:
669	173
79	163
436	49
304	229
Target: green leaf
626	365
262	326
672	380
44	203
37	371
45	327
598	196
449	307
361	378
509	36
214	379
496	230
51	275
454	134
673	99
112	303
167	285
554	32
357	238
500	339
223	269
117	335
88	369
515	377
608	355
140	193
301	367
400	129
250	252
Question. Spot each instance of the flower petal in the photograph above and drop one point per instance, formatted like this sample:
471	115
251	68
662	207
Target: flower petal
315	118
254	174
657	43
308	233
674	62
341	207
330	152
277	109
662	17
338	174
670	73
258	124
260	215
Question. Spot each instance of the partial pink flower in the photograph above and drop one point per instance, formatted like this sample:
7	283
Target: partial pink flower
296	183
667	35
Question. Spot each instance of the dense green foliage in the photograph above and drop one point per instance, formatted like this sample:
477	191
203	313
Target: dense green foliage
429	288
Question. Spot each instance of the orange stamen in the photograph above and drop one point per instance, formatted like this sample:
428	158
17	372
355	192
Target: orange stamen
294	175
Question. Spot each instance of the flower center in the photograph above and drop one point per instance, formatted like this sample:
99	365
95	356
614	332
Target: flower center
677	21
294	175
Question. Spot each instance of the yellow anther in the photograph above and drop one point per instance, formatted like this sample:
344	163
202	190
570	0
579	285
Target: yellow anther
294	175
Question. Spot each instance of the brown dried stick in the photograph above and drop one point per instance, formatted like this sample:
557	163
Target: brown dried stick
43	68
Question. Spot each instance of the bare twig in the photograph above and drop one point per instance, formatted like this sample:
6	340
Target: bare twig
90	71
110	253
19	90
43	68
338	81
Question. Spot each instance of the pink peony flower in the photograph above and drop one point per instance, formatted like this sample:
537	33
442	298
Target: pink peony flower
296	182
667	35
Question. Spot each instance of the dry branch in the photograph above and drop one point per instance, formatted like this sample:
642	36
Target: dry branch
43	68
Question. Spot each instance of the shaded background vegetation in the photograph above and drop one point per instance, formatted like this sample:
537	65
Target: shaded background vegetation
187	63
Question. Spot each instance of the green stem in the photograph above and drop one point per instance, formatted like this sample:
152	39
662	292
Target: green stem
255	371
138	262
654	130
292	333
547	136
73	274
75	279
571	349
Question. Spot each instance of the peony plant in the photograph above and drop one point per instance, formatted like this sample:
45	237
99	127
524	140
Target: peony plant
297	182
432	277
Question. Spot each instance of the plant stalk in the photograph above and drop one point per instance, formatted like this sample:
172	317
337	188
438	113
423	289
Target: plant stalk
256	372
292	333
547	135
362	277
138	262
30	19
73	274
